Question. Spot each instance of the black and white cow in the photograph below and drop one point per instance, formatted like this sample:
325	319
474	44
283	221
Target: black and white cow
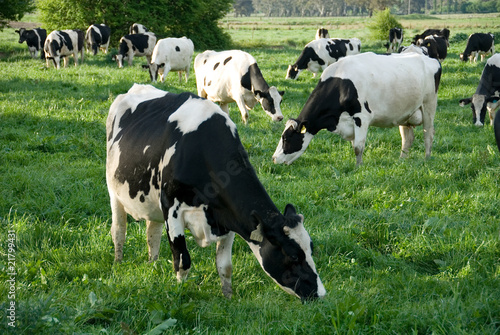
318	54
161	168
358	92
322	33
487	96
137	28
135	45
35	39
171	54
97	37
444	33
395	39
437	46
234	76
64	43
478	44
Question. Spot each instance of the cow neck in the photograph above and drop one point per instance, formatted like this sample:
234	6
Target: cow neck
253	80
487	84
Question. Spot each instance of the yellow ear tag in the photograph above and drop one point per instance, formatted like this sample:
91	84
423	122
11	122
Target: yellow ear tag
303	130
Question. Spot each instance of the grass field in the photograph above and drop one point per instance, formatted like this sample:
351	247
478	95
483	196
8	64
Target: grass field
402	246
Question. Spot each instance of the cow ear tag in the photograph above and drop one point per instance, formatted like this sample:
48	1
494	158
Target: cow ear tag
303	130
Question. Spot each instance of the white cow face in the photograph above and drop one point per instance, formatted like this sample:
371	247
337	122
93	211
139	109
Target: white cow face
293	143
271	102
119	60
479	104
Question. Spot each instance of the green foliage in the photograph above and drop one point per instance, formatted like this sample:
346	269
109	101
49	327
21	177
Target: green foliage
14	10
168	18
381	23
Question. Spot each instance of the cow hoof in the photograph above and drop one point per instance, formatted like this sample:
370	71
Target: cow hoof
227	291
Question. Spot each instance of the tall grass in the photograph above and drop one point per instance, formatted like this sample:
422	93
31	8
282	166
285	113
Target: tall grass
402	246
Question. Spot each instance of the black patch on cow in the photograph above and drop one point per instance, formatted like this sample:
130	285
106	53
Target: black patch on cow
209	83
141	198
367	107
337	48
177	48
140	42
307	55
35	38
227	59
66	40
254	81
292	139
216	65
357	121
437	79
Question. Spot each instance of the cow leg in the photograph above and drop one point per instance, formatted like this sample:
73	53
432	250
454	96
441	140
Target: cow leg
153	233
176	239
491	113
186	74
407	137
428	125
118	227
243	109
224	107
224	264
358	143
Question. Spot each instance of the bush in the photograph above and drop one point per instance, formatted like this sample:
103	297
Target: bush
381	23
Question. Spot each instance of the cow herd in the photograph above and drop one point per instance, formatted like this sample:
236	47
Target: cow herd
177	160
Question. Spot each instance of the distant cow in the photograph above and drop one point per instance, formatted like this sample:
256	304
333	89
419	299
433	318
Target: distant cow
395	39
357	92
322	33
97	37
478	44
318	54
437	46
137	28
35	39
135	45
234	76
64	43
171	54
444	33
487	96
177	159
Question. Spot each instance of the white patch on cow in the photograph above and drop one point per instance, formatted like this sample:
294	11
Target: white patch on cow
194	112
345	127
276	98
478	101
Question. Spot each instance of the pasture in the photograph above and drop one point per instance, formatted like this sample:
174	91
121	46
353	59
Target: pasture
402	246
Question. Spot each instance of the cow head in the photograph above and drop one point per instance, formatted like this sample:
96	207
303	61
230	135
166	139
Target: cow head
285	253
271	102
292	72
293	142
22	34
118	58
155	70
479	104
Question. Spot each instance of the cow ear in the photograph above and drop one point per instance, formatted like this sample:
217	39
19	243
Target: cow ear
465	101
289	210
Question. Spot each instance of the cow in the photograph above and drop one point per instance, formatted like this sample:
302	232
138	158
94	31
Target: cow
395	39
35	39
478	44
318	54
234	76
358	92
171	54
64	43
444	33
161	168
437	46
496	127
487	96
97	37
137	28
322	33
135	45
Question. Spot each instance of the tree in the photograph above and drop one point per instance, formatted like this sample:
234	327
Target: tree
14	10
381	23
197	20
243	7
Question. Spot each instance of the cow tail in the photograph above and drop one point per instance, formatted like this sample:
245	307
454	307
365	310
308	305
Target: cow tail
496	126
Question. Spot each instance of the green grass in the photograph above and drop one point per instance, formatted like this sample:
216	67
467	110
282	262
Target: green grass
403	246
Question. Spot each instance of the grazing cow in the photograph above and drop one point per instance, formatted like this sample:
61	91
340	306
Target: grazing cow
171	54
358	92
161	168
97	37
444	33
395	39
234	76
322	33
496	127
478	44
135	45
64	43
437	46
35	39
487	96
137	28
318	54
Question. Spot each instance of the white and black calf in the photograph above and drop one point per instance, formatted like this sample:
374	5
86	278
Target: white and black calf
319	54
395	39
487	96
161	168
35	39
97	37
478	44
358	92
234	76
138	28
135	45
322	33
437	46
171	54
64	43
